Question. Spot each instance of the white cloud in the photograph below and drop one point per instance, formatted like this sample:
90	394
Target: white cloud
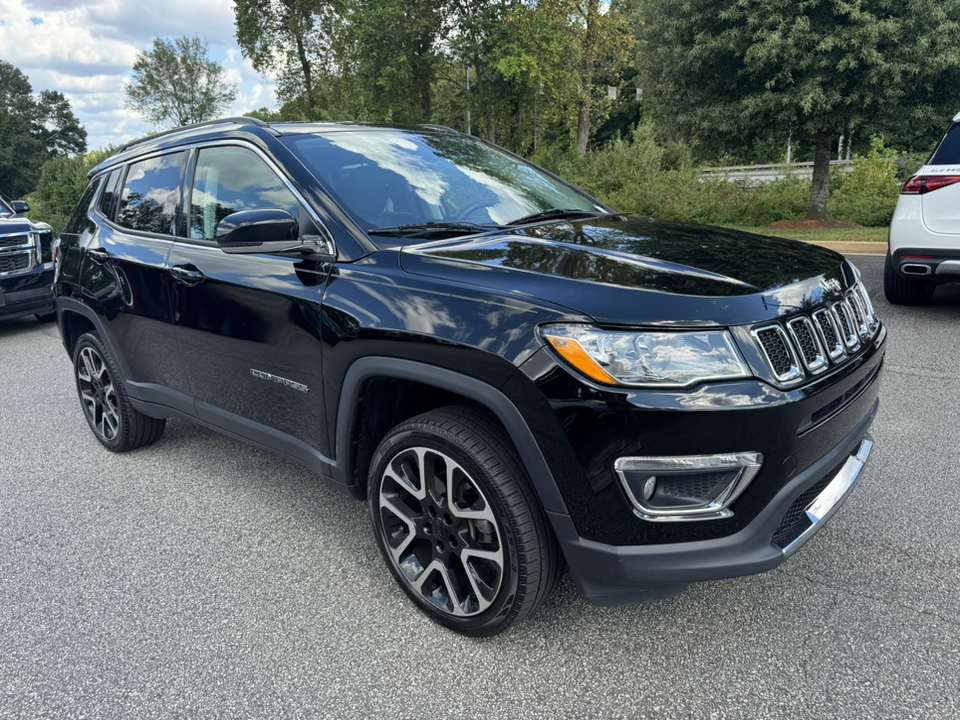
86	50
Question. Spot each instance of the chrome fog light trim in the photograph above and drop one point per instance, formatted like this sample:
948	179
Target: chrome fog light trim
648	472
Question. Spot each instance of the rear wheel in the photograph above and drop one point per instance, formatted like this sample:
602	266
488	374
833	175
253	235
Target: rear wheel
458	522
905	291
114	421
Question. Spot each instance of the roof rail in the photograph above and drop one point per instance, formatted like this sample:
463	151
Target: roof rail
442	128
240	120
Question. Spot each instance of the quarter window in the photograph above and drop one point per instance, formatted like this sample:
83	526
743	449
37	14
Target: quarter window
151	194
230	180
108	198
75	226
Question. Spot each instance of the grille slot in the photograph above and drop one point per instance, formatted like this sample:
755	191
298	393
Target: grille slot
845	317
803	335
7	241
13	262
773	342
828	333
859	314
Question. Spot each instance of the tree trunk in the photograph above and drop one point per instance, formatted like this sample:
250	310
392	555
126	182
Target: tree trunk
583	128
817	210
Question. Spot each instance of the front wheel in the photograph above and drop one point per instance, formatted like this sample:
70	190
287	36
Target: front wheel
114	421
458	522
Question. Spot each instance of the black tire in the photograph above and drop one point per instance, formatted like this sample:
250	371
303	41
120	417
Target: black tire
47	318
494	531
905	291
104	400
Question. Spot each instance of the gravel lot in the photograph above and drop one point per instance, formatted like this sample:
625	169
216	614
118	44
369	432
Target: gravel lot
200	578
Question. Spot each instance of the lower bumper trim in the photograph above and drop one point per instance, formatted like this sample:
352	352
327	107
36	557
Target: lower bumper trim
827	502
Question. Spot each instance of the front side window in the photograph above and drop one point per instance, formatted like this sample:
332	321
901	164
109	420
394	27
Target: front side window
229	180
151	194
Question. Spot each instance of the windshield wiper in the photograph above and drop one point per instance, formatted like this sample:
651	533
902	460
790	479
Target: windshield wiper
432	228
555	213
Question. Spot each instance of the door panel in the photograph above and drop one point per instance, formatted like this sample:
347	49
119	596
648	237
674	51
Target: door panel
248	325
249	335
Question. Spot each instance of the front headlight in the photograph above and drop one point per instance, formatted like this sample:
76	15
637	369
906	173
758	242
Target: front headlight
647	358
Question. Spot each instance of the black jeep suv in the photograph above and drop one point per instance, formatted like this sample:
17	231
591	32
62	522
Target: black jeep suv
512	374
26	264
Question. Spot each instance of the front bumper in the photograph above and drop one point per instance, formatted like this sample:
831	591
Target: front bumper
612	575
29	293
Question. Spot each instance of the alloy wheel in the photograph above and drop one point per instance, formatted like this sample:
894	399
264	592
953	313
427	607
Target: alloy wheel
98	394
441	532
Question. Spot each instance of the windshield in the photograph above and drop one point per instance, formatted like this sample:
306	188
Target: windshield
389	178
4	208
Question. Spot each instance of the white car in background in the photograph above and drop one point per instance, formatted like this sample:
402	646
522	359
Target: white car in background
925	230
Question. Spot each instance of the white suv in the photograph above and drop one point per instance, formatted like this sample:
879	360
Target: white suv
925	231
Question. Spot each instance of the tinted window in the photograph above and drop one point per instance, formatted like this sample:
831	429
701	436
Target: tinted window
151	194
80	214
231	179
949	151
109	196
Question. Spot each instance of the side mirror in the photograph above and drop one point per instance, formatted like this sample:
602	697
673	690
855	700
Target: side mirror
258	231
20	207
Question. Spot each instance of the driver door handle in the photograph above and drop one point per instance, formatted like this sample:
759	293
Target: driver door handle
188	275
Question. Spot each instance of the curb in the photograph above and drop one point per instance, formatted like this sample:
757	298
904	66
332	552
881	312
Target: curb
854	248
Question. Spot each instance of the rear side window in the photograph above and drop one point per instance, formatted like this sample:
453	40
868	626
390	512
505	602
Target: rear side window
151	194
110	195
76	223
949	151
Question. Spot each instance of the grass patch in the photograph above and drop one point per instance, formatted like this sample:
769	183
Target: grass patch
867	234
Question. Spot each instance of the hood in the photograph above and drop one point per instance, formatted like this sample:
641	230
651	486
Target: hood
17	224
637	270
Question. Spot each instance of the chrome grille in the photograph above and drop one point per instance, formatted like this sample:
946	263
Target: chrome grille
776	348
827	326
14	262
801	329
847	326
18	240
809	343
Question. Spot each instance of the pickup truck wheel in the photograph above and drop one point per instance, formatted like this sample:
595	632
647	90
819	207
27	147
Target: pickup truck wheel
458	523
905	291
112	418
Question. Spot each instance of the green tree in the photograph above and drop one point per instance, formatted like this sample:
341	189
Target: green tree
62	182
176	83
398	55
301	44
33	128
730	73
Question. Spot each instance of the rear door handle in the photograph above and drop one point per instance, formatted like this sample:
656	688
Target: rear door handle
188	275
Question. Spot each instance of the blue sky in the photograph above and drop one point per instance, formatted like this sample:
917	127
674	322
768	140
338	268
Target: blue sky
86	50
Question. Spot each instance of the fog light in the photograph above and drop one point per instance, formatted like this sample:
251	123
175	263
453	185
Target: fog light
649	487
690	487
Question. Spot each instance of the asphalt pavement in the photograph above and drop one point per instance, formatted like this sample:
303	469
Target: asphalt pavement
200	578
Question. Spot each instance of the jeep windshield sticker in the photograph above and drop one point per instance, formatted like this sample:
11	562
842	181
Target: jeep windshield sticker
279	380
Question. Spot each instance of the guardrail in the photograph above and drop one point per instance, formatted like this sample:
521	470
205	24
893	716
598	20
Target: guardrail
759	174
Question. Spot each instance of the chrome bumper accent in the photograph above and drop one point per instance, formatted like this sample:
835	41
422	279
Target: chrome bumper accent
948	267
827	502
